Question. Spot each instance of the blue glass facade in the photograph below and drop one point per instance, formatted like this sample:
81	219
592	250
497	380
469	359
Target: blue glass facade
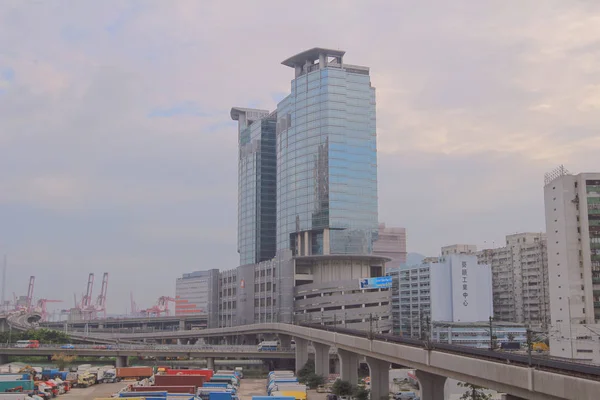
327	161
256	186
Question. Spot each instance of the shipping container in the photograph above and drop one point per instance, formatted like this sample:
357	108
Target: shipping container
220	396
179	380
134	372
26	385
170	389
208	373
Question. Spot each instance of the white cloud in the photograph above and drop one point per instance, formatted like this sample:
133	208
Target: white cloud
474	101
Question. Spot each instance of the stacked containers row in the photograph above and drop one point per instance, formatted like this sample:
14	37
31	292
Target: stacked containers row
285	384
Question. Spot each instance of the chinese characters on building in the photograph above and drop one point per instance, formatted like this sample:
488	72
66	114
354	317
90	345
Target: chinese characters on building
464	283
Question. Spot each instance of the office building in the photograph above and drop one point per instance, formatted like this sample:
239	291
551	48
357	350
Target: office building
572	204
257	162
459	249
520	279
327	157
196	293
455	289
325	207
391	243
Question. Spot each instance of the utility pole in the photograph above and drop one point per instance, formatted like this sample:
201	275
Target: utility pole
491	334
529	345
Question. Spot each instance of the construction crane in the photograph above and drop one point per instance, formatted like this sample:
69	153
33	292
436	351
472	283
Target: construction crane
134	309
30	293
101	300
86	299
161	307
41	307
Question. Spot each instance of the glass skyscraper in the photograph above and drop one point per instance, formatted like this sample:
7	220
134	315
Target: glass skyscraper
257	161
327	158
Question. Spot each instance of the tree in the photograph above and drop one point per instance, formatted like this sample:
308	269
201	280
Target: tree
474	392
313	381
308	369
511	337
342	388
360	393
63	360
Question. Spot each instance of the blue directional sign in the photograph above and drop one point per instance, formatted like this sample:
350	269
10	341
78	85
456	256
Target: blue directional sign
382	282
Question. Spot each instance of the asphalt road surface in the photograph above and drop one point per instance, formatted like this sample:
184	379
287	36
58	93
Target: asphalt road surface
93	392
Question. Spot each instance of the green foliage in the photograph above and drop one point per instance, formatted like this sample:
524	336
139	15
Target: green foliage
306	371
342	388
360	393
511	337
46	336
314	380
474	392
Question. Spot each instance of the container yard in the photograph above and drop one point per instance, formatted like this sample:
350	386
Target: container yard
24	382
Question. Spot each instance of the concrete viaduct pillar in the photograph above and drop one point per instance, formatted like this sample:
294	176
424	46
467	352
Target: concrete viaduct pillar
379	371
432	386
510	397
210	363
321	359
3	359
348	366
121	361
301	353
286	341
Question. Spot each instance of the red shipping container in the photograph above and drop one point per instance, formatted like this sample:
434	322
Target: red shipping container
208	373
179	380
169	389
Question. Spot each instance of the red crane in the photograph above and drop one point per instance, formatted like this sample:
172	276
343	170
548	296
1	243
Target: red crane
162	306
41	307
101	300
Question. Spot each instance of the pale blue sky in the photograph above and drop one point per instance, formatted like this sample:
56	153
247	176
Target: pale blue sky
117	152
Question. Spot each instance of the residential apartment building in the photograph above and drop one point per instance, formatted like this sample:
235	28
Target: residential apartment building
455	289
459	249
391	243
325	216
520	279
197	293
572	204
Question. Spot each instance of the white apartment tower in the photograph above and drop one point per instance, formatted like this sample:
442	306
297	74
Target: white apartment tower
520	279
572	204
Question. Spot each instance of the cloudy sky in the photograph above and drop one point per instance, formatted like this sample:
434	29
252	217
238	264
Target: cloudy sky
117	152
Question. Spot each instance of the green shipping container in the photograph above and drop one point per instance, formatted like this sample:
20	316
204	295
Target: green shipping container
7	385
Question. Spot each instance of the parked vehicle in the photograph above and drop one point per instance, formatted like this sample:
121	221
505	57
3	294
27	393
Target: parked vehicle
86	379
110	376
268	346
28	344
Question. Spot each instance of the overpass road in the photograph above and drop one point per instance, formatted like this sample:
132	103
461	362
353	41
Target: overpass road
540	379
121	350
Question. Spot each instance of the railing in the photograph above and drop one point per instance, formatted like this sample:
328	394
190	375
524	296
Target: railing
151	347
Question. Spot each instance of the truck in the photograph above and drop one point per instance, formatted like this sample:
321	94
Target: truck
86	379
134	372
221	396
208	373
110	376
272	345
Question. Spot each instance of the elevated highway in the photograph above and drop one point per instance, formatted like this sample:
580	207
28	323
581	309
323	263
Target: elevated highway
151	351
540	379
